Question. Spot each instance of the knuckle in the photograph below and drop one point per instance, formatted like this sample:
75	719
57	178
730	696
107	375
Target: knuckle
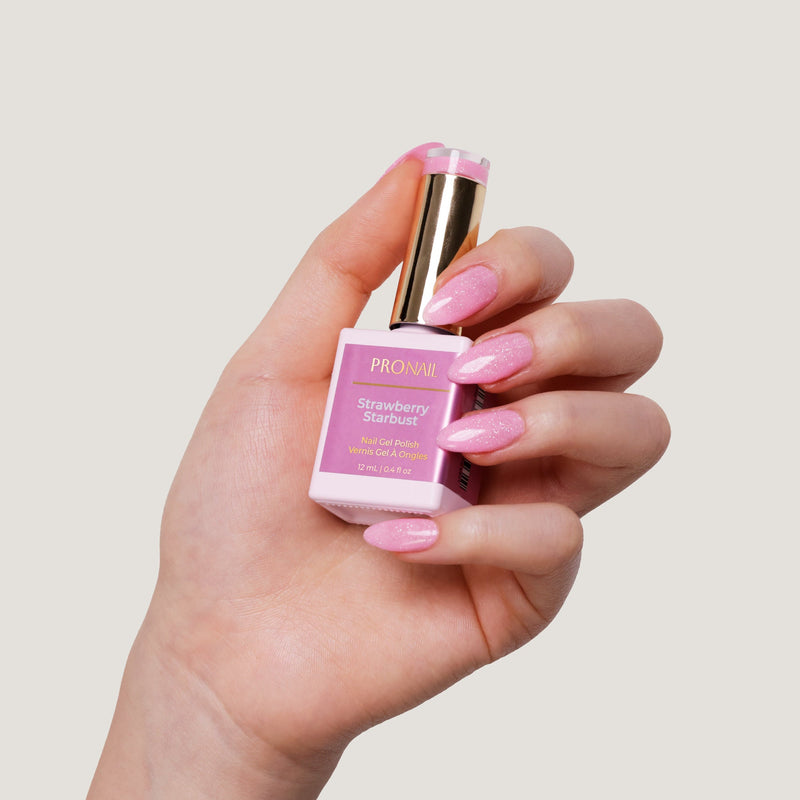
662	430
541	258
565	540
650	335
573	333
556	414
478	531
571	535
548	249
658	432
519	245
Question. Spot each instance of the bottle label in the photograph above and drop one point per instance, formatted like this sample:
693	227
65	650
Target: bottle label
389	405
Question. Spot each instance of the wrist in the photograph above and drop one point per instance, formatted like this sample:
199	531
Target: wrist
171	737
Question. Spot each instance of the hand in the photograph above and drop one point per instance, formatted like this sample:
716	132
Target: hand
276	634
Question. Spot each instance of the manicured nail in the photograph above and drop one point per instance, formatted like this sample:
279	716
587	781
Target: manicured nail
403	535
482	433
417	152
492	360
470	291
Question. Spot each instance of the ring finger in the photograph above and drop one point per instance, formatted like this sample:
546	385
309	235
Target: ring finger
606	429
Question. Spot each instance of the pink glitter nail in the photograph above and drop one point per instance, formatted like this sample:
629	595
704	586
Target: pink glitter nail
492	360
402	535
482	433
462	296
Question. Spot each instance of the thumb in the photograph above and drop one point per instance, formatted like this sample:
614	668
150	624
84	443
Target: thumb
333	281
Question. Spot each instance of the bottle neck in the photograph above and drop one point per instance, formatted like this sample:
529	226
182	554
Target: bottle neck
418	327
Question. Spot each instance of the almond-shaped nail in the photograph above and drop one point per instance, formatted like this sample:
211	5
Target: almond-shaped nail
462	296
419	152
492	360
403	535
482	433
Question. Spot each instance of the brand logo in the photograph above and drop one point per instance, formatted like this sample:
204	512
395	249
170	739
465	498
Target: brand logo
399	366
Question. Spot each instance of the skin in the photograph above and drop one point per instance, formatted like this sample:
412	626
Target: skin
275	633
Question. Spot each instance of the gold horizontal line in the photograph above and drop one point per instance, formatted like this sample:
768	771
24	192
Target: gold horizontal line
395	386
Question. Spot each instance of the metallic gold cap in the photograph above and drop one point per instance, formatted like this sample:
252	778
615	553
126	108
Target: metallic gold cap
448	214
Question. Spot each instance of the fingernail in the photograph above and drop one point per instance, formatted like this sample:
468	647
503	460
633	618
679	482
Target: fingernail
492	360
482	433
417	152
470	291
403	535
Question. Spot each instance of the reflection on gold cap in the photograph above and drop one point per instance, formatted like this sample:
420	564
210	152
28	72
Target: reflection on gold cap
447	217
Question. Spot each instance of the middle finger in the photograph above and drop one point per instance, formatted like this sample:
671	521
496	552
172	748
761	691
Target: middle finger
616	340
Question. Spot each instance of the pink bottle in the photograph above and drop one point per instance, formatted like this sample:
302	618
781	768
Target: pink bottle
389	395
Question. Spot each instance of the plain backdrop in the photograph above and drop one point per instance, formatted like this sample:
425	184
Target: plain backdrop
163	165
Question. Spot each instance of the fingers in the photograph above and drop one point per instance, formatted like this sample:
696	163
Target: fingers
601	339
607	429
540	541
519	266
332	283
533	539
516	275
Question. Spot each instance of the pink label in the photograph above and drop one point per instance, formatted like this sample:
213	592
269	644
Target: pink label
390	404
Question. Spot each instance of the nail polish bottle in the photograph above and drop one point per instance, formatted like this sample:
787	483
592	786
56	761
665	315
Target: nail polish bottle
389	395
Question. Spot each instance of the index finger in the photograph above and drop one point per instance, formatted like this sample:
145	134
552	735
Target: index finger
516	267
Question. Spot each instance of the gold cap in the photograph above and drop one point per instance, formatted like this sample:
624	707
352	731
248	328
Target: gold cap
448	214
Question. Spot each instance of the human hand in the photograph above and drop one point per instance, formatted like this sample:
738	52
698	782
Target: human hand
276	634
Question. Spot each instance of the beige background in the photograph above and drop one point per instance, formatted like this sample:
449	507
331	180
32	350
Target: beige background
164	164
